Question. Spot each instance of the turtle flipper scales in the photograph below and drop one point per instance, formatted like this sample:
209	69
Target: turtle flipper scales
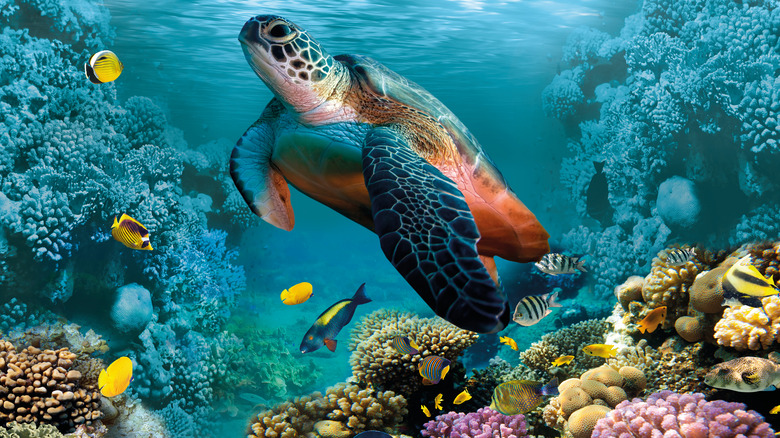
428	233
259	182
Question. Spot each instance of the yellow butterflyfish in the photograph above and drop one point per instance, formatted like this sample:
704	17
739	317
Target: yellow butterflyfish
508	341
462	397
600	350
297	294
115	379
437	401
130	233
104	66
563	360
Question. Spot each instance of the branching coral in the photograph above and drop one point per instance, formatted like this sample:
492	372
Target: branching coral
358	409
376	362
567	341
670	414
483	423
744	327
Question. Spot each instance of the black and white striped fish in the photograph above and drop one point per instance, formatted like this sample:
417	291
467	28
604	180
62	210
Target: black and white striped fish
555	263
680	256
532	309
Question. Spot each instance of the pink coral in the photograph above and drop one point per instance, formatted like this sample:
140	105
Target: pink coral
485	423
670	414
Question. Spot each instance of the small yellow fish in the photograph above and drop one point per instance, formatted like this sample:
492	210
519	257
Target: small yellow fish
102	67
130	233
600	350
563	360
113	380
775	410
508	341
462	397
437	401
425	411
653	319
297	294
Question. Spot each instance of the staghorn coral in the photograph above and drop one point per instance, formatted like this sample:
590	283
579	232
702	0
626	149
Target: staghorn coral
359	409
743	327
670	414
569	340
40	386
483	423
376	362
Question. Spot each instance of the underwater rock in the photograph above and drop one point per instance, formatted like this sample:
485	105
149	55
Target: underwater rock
677	203
689	328
132	310
630	290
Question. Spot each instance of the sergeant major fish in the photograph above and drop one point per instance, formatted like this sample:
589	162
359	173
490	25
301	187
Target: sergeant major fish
680	256
331	321
745	374
532	309
555	264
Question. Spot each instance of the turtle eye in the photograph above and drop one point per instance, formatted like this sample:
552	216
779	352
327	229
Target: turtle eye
280	31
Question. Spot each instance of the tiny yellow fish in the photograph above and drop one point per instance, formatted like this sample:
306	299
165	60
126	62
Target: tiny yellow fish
653	319
104	66
775	410
113	380
425	411
130	233
563	360
508	341
600	350
437	401
462	397
297	294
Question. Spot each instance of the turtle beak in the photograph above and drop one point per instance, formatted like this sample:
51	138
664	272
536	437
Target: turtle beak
250	34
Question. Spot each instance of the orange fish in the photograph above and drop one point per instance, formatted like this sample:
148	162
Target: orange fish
652	320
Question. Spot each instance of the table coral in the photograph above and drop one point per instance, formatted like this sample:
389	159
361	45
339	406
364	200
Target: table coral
40	386
359	409
670	414
376	362
481	424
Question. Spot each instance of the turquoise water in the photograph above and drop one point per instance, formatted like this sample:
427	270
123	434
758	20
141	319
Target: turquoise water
679	102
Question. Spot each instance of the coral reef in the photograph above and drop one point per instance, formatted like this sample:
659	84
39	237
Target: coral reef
376	362
358	409
40	386
581	402
750	328
567	341
483	423
670	414
29	430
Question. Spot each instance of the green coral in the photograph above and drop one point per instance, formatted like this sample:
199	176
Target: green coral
29	430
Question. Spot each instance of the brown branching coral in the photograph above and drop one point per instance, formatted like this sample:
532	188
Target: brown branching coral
569	340
40	386
355	408
375	361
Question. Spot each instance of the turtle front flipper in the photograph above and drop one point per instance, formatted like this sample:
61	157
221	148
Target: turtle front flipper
259	182
428	233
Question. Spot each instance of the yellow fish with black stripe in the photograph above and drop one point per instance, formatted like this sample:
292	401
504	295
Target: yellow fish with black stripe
104	66
130	233
743	281
331	321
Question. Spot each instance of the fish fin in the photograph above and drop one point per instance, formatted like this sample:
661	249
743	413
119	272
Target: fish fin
116	223
415	347
360	296
771	388
731	302
551	302
774	357
405	190
550	388
579	265
642	328
427	382
261	185
330	343
599	166
444	371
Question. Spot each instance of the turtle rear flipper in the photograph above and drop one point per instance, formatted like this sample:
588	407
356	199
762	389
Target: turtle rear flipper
263	187
428	233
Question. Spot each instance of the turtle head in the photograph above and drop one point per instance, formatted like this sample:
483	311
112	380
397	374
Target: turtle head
290	62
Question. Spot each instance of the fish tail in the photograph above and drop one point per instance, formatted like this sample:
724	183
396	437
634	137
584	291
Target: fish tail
360	296
642	329
550	388
551	301
580	266
116	224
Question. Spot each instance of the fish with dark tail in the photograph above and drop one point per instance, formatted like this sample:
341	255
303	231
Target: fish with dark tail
331	321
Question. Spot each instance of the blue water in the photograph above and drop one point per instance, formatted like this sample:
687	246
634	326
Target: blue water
209	338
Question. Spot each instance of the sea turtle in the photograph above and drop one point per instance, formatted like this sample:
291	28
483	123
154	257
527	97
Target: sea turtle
379	149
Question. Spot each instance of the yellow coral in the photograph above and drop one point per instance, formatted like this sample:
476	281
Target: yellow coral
582	422
376	362
744	327
668	285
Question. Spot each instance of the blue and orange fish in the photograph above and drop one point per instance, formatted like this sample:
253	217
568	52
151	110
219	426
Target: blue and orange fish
433	369
331	321
404	345
130	233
